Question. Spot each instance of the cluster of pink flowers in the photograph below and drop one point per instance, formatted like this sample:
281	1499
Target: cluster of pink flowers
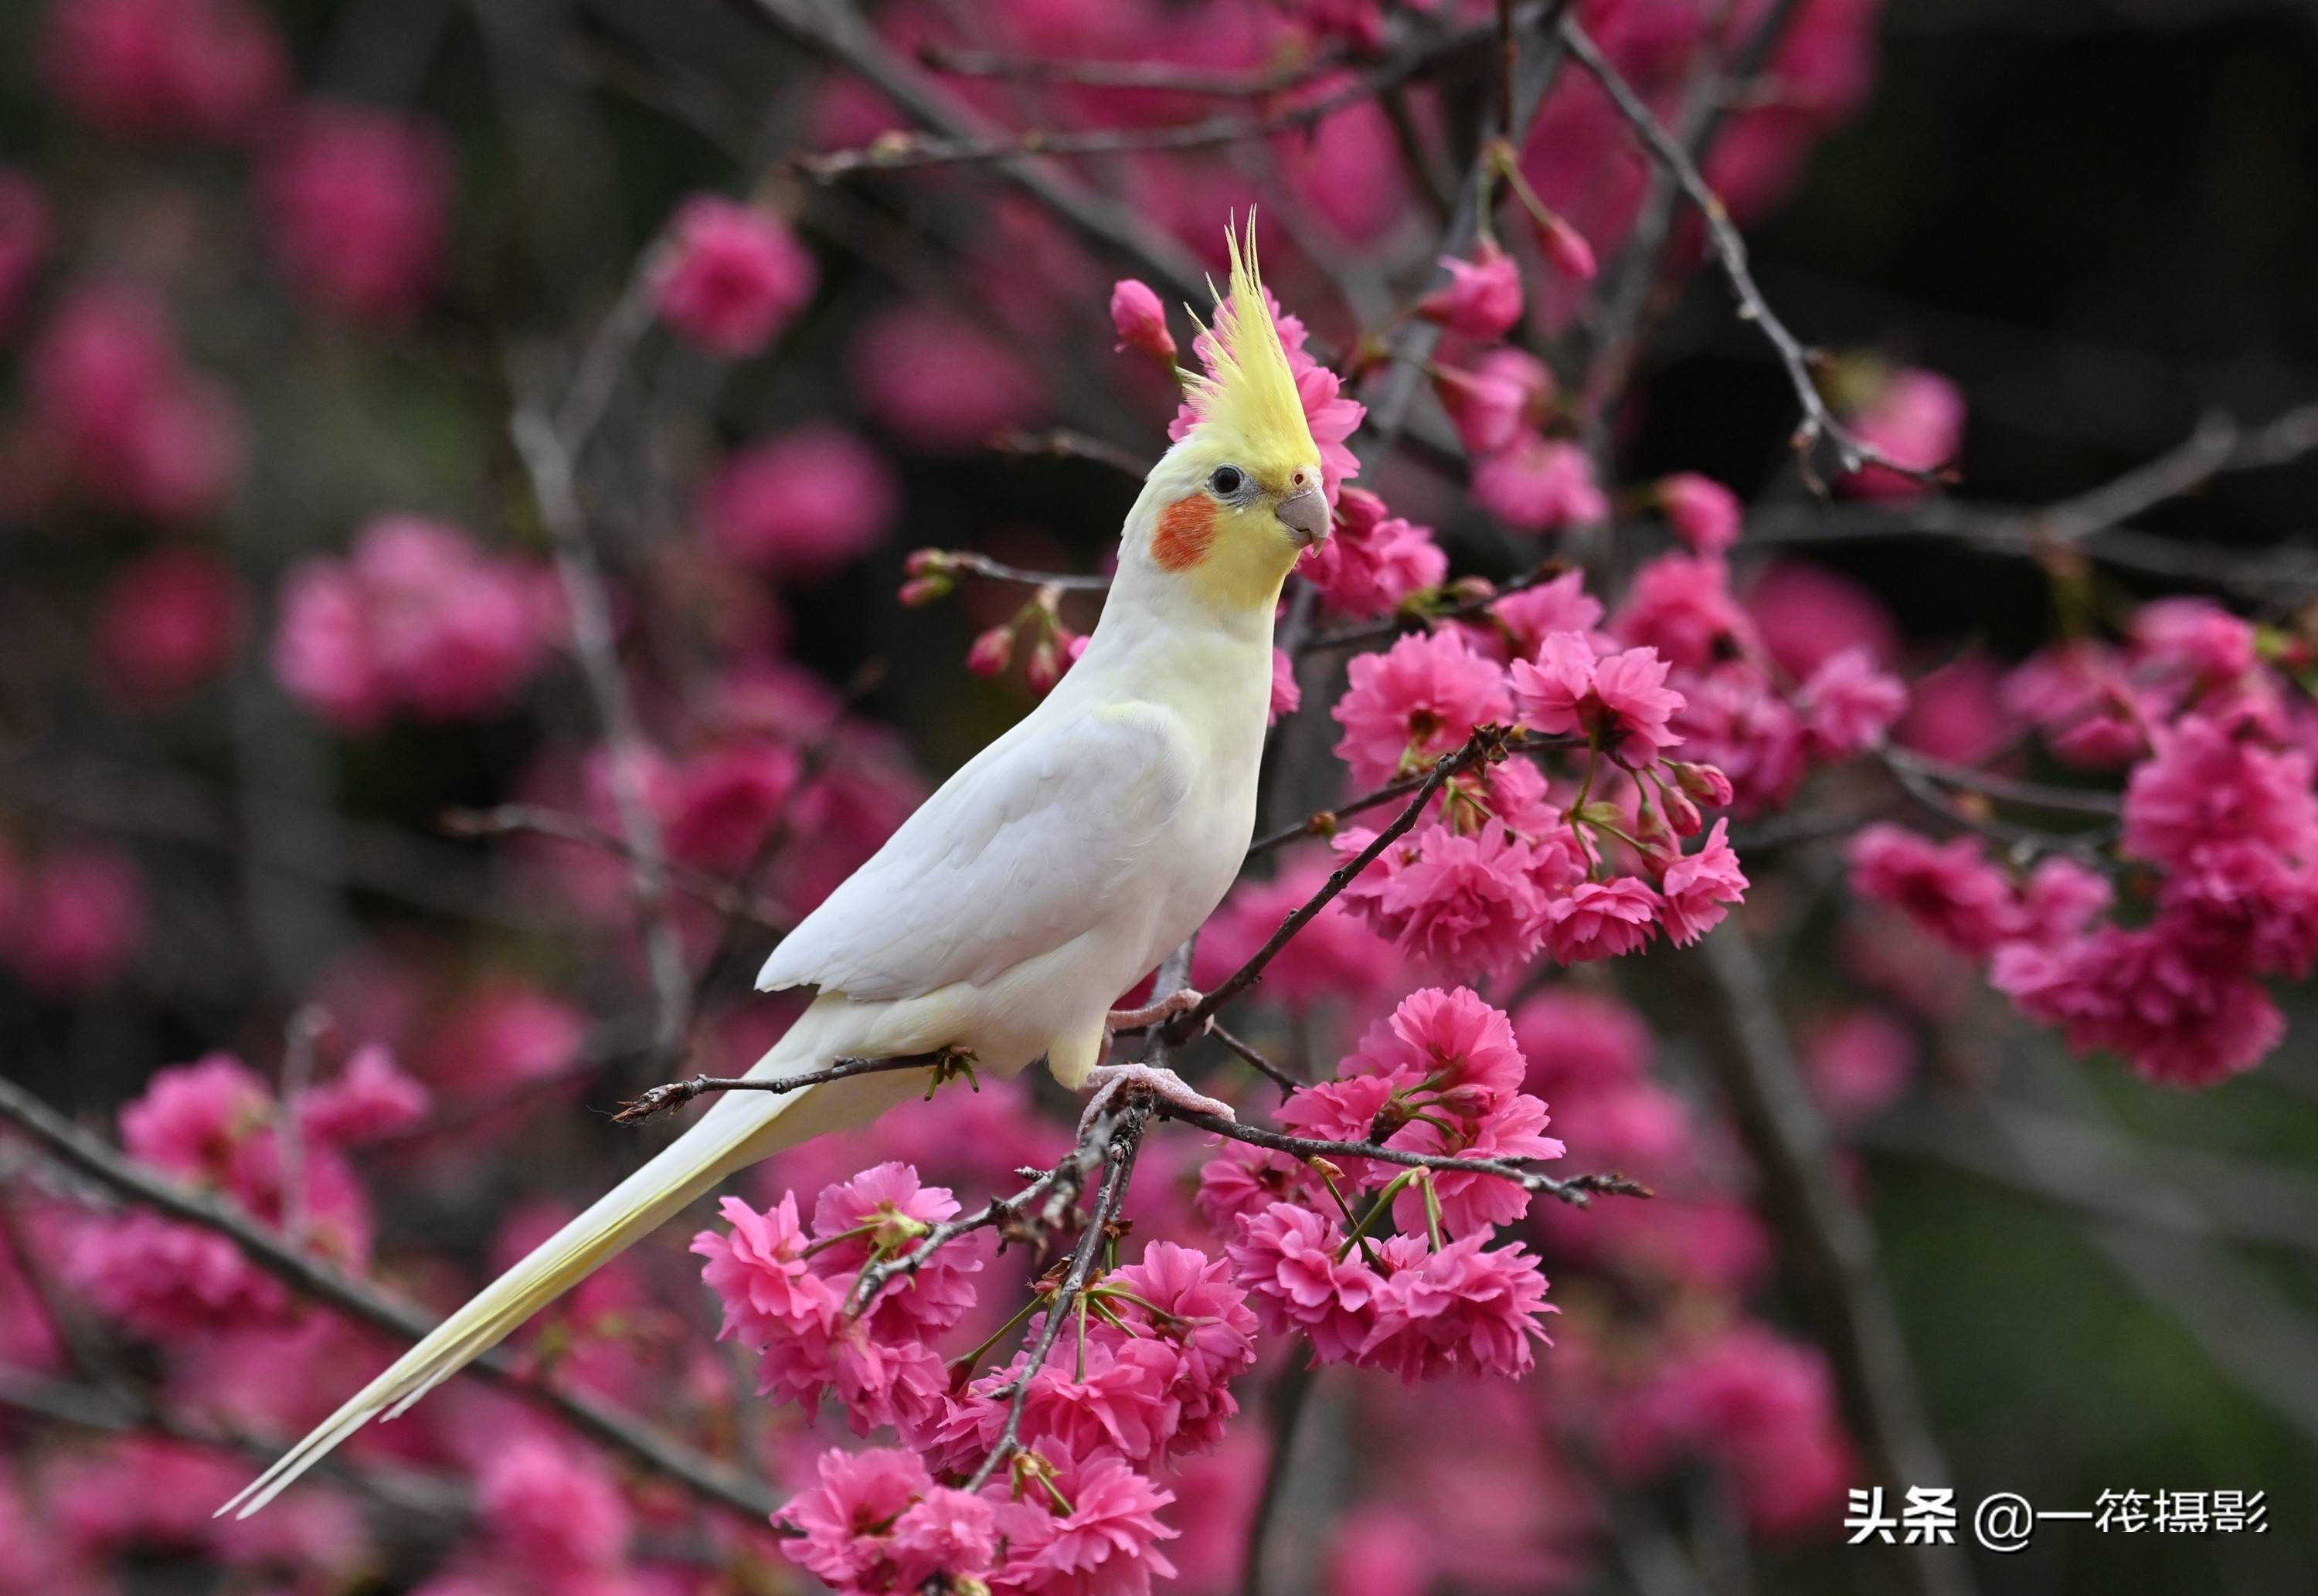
733	275
2218	835
213	1125
169	621
166	69
801	505
70	917
1508	867
127	422
1441	1076
417	620
356	205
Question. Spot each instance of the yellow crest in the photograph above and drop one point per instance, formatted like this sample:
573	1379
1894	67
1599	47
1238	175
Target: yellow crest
1247	394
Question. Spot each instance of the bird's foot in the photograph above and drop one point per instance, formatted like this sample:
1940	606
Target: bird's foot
1163	1084
1177	1002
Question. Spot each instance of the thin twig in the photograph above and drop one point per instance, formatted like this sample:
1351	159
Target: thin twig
1255	1061
675	1094
1063	443
1819	422
538	820
2005	788
1121	1138
1126	75
301	1037
551	461
1427	616
1576	1190
897	151
704	1476
1486	745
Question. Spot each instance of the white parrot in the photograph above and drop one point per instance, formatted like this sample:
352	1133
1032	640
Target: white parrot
1049	874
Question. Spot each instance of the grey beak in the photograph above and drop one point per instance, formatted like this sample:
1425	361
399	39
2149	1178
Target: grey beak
1306	513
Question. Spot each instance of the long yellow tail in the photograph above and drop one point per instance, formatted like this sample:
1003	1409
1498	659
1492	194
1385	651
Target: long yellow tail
741	1129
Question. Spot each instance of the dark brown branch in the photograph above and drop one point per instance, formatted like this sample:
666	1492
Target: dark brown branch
1255	1061
1124	75
1576	1190
1826	1242
1485	746
1121	1137
704	1476
895	152
675	1094
1819	422
550	458
539	821
2004	788
1428	617
1063	443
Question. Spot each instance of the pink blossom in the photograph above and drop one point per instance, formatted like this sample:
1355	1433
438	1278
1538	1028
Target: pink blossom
2202	785
1482	299
1848	705
1414	702
371	1097
26	232
1916	419
1956	713
1287	695
191	1119
191	68
1578	1041
503	1030
1471	1203
356	203
1527	618
416	618
992	650
1487	411
1859	1062
169	621
1374	560
1619	703
2194	636
718	804
1565	247
163	1280
2148	994
1805	613
139	430
1104	1543
760	1272
1140	322
1703	512
1459	1045
1681	606
80	915
1540	484
851	1515
554	1510
1602	919
1948	888
733	275
1734	726
1698	885
1464	1308
1464	904
939	382
802	504
1284	1257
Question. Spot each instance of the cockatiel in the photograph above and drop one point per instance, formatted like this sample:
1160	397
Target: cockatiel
1049	876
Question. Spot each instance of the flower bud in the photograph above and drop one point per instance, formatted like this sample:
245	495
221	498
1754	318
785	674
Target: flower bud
1565	247
1704	782
920	591
1045	668
992	652
1703	513
923	562
1682	814
1141	323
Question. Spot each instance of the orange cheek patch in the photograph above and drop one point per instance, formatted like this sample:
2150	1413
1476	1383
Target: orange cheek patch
1186	529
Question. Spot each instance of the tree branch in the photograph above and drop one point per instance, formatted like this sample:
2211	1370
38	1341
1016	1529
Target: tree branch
675	1094
1819	422
704	1476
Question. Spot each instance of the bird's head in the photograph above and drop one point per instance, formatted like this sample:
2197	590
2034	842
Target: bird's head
1238	498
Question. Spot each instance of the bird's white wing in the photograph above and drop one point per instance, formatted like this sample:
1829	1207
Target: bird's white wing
1025	848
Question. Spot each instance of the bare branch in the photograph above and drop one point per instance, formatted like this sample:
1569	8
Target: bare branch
539	820
704	1476
675	1094
1819	422
1126	75
1433	612
1063	443
1576	1190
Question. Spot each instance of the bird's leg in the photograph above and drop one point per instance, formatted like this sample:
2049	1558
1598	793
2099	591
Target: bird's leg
1167	1008
1163	1084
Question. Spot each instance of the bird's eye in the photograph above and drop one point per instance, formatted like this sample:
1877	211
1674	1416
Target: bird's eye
1226	480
